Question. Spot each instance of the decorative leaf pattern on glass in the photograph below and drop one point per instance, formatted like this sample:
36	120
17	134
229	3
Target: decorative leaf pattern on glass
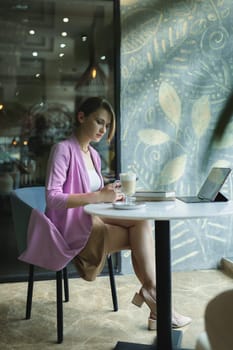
201	115
170	103
173	170
177	63
138	36
152	136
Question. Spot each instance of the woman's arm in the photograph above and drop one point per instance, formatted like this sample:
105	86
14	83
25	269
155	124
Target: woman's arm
106	194
57	170
57	167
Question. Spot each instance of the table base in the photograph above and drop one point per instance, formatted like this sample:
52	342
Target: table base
134	346
176	341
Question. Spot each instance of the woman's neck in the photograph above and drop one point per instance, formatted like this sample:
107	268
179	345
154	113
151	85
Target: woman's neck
84	145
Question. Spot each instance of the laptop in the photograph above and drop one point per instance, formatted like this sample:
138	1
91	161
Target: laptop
210	189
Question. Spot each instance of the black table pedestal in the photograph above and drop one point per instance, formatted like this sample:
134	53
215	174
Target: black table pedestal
176	341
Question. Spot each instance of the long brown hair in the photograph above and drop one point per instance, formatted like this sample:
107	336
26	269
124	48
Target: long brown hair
91	105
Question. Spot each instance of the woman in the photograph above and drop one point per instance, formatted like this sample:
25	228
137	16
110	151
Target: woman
74	180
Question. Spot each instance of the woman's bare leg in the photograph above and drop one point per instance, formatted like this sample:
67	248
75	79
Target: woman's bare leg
136	236
143	252
143	258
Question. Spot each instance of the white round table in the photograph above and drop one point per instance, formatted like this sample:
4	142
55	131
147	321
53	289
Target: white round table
162	212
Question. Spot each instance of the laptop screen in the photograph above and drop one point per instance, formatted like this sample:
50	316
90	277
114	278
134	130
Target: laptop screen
213	183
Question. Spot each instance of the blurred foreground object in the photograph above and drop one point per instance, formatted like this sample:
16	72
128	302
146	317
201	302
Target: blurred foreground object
223	120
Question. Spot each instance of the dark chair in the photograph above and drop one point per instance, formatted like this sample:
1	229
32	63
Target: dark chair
23	201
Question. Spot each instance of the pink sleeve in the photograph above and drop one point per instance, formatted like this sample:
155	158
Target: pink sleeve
58	164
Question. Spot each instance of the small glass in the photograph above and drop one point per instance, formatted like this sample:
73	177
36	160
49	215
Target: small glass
126	185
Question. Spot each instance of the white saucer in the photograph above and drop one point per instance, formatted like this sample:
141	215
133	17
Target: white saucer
124	206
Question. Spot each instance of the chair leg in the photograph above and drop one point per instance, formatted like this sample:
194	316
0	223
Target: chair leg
112	283
30	291
66	284
59	307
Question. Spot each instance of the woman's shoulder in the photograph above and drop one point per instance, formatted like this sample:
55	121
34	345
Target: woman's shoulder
65	144
63	147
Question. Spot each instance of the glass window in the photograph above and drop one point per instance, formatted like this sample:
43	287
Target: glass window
53	53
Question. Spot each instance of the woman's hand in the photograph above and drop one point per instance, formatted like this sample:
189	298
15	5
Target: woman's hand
108	194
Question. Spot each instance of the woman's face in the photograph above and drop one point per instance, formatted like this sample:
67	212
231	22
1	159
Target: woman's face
95	125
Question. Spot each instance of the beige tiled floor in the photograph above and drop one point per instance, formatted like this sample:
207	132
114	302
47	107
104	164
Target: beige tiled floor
89	322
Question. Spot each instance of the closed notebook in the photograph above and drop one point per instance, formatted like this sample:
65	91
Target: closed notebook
151	196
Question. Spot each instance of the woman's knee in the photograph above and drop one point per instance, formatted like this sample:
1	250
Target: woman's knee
143	225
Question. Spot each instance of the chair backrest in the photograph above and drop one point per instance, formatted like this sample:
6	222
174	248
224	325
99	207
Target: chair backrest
23	201
33	196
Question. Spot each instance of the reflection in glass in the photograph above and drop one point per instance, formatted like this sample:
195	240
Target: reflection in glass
52	53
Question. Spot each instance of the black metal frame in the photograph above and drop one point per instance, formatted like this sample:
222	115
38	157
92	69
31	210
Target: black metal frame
117	81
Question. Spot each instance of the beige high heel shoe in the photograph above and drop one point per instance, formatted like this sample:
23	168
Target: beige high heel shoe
178	320
144	296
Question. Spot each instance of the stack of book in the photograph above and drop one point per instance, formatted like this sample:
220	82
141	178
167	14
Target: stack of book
151	196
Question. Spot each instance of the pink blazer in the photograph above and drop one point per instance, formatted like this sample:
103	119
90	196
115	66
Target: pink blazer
65	231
